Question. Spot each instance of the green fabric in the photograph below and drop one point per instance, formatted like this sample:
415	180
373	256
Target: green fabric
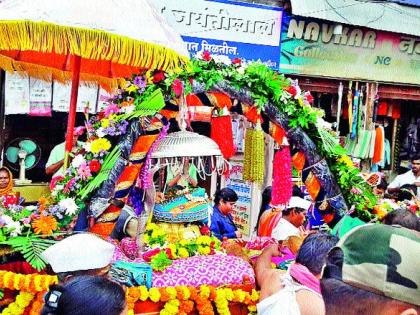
384	259
346	224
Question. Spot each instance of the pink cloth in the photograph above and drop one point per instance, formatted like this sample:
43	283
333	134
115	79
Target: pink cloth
194	271
302	274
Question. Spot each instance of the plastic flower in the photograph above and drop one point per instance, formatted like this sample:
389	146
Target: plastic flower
70	205
55	180
158	76
236	61
206	55
84	171
78	160
94	166
308	97
99	145
292	90
178	87
45	225
110	109
105	122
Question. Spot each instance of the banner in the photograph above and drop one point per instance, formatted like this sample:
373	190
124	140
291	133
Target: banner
16	94
237	30
40	97
311	47
242	210
86	97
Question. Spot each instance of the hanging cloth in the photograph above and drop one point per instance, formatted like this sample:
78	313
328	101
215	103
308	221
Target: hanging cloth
379	152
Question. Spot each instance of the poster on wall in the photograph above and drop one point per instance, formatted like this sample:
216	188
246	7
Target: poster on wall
310	47
242	210
86	98
40	97
224	27
103	99
16	94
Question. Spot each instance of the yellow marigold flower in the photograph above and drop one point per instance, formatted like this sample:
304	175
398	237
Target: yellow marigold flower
204	291
183	253
252	308
204	250
255	296
171	292
100	144
183	242
229	294
144	293
130	312
45	225
154	295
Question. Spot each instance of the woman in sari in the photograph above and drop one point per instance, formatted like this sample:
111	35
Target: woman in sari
6	187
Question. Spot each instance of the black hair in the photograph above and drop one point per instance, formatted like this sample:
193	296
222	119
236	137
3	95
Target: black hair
296	192
402	217
415	158
382	184
314	250
226	194
93	295
265	201
344	299
406	192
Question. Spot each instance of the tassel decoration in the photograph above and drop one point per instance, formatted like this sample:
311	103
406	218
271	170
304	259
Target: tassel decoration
282	177
221	133
248	154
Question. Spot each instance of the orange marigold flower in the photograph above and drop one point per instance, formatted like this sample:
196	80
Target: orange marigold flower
45	225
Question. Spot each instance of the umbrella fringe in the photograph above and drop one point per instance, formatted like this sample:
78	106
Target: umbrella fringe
87	43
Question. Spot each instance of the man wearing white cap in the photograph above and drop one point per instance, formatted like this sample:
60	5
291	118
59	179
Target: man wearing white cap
293	217
79	254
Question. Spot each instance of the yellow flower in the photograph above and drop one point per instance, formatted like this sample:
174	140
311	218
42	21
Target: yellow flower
346	160
144	294
154	295
229	294
172	248
146	238
255	295
183	253
204	250
183	242
104	122
204	240
300	101
99	145
171	292
204	291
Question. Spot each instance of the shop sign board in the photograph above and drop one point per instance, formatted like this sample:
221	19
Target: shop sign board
16	94
311	47
223	27
242	210
86	98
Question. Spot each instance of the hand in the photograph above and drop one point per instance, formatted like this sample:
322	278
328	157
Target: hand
273	250
238	234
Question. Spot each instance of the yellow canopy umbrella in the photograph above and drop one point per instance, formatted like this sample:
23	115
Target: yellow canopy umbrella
95	40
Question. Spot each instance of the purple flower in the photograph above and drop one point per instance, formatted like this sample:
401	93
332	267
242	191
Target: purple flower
84	171
111	109
140	81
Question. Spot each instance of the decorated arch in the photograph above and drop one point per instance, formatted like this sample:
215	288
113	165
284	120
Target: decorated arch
116	163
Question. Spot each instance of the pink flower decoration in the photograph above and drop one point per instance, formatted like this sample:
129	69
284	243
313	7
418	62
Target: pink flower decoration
111	109
55	180
84	171
206	56
69	185
309	98
178	87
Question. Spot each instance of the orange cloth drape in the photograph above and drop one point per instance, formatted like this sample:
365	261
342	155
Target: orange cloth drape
268	221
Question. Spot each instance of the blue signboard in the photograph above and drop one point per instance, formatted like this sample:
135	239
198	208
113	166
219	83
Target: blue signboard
234	29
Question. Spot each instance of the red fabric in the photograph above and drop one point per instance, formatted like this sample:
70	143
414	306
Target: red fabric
193	100
396	111
251	114
379	149
221	133
22	267
382	108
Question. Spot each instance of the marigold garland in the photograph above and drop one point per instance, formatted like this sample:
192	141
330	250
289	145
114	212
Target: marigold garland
178	300
23	299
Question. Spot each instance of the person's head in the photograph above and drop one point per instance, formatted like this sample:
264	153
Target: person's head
265	201
407	192
415	164
225	199
93	295
314	249
78	131
79	254
5	177
373	270
296	211
402	217
379	190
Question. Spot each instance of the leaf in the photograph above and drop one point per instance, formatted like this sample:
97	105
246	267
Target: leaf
31	248
148	107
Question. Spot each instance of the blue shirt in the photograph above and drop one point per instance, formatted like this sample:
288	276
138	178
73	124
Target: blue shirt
222	225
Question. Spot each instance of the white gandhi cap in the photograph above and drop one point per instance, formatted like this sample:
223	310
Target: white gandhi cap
83	251
297	202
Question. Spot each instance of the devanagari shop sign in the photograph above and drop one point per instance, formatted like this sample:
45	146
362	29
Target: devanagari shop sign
310	47
237	30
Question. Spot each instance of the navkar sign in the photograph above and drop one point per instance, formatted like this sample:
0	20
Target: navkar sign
234	29
310	47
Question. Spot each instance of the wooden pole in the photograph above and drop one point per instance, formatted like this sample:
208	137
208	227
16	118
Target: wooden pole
72	111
